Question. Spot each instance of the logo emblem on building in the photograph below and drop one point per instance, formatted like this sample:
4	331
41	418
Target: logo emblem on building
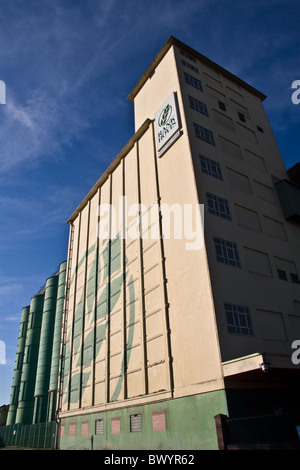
76	380
167	124
165	115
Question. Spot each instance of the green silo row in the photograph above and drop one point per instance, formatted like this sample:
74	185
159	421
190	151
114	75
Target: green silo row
35	378
15	389
25	404
45	350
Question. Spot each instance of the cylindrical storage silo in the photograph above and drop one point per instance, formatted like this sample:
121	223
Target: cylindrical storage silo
45	351
53	382
27	385
14	397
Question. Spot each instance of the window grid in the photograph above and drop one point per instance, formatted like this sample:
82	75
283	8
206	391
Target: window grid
194	82
188	56
238	319
295	278
136	423
282	274
198	106
218	206
204	134
227	252
211	167
99	426
242	117
190	66
222	105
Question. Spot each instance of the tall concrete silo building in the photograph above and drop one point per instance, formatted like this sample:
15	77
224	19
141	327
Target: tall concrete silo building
180	307
165	332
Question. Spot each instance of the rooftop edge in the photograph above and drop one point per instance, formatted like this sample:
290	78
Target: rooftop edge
172	41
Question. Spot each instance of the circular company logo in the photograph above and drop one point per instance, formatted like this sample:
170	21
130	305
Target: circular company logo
165	115
98	300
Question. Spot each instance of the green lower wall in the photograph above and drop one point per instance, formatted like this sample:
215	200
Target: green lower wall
189	425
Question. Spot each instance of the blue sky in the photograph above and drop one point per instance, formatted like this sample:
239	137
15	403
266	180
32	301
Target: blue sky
68	66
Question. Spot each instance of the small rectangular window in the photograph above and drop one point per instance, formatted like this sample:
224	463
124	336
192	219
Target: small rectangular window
198	106
211	167
227	252
194	82
204	134
238	319
190	66
282	274
222	105
99	426
295	278
218	206
135	423
188	56
260	129
242	117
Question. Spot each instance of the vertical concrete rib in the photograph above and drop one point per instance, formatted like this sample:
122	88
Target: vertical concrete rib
142	287
69	369
95	304
163	274
64	325
108	296
85	285
123	292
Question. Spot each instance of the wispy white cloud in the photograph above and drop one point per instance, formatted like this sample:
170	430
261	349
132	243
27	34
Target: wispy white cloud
9	288
13	318
36	127
31	217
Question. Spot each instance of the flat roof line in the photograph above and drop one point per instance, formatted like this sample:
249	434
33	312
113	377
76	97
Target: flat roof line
172	41
111	167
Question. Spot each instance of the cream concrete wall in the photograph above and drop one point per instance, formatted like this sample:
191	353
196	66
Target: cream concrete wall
162	323
192	319
156	90
257	224
166	333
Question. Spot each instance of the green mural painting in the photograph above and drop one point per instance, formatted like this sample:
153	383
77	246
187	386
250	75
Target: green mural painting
97	300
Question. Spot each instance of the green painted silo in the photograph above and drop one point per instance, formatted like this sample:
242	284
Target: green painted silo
14	397
27	384
45	351
53	382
